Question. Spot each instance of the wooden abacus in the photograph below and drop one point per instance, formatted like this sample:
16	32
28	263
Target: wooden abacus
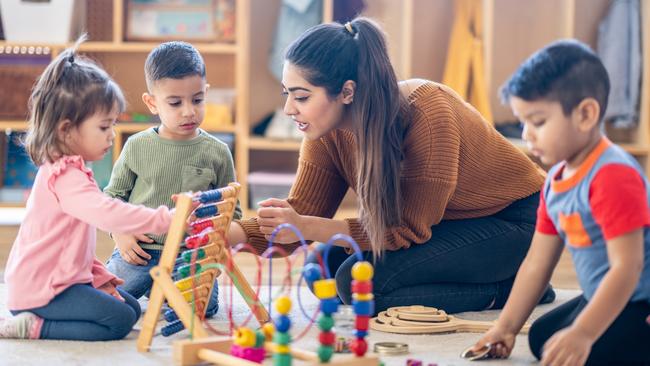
277	340
211	248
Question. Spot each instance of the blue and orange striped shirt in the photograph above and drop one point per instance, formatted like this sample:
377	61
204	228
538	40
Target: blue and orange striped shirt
605	198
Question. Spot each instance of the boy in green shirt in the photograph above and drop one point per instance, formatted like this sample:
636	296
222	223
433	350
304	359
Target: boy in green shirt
176	156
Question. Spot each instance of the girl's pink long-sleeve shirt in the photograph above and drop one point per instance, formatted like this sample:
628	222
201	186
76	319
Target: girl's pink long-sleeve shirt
55	246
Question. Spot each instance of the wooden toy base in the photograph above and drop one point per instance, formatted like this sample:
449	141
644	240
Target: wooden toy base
419	319
216	350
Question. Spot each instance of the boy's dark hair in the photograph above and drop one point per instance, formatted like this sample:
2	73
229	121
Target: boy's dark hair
566	71
174	60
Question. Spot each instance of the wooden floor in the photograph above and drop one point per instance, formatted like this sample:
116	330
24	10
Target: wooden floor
564	276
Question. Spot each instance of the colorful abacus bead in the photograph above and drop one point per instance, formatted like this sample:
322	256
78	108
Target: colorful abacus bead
325	290
246	345
363	304
281	337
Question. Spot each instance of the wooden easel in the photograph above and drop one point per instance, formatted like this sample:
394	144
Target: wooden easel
164	286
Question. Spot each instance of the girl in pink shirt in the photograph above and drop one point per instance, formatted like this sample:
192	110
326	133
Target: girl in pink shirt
56	287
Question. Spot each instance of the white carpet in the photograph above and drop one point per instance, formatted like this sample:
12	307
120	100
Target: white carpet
442	349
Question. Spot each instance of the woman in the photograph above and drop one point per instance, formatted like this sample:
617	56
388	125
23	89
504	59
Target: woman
447	205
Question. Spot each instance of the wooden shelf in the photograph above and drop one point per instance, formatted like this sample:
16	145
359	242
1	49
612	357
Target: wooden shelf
124	47
632	149
13	125
121	127
263	143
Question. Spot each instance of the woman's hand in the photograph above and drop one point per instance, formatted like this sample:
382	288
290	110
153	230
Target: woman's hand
274	212
110	288
500	340
568	346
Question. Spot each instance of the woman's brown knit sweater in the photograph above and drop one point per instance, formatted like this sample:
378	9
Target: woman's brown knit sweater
455	166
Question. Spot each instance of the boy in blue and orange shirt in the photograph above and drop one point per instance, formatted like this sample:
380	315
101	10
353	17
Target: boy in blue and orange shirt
595	202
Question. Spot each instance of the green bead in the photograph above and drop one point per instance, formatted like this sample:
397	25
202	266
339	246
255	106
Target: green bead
187	256
282	338
282	359
325	323
325	353
259	339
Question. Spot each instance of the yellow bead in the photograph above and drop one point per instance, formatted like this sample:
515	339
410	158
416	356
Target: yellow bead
325	289
244	337
268	329
279	348
363	297
362	271
283	305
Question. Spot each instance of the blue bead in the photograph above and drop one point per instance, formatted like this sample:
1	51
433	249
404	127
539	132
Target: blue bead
170	315
361	333
172	328
363	307
206	211
282	323
210	196
311	272
329	306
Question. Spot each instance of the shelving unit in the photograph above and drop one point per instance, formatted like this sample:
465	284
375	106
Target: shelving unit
124	60
418	33
419	30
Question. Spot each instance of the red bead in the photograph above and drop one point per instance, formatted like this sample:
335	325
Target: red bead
361	287
327	338
362	322
359	347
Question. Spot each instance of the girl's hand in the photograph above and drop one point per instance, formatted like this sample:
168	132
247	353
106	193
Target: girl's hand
568	346
501	341
274	212
130	250
110	288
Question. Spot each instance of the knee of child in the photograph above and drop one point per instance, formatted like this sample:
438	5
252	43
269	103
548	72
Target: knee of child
536	340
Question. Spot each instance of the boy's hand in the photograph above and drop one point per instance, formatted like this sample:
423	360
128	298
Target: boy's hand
501	341
110	288
130	250
568	346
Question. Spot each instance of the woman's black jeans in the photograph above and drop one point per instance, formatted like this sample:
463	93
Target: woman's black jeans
467	265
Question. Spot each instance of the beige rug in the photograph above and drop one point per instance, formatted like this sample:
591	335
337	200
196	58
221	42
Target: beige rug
442	349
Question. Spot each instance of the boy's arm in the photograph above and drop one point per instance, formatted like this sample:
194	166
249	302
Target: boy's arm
531	281
122	177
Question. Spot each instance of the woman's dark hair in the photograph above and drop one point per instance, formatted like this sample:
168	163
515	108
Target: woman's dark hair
331	54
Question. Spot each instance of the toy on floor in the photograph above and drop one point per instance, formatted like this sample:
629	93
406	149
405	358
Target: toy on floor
412	362
188	297
471	355
276	337
419	319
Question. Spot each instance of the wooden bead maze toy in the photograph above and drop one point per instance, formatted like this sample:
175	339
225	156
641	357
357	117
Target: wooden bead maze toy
246	346
188	296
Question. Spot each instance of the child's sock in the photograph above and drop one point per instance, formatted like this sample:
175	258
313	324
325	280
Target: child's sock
22	326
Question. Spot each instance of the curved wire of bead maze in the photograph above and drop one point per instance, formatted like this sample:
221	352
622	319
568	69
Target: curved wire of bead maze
247	347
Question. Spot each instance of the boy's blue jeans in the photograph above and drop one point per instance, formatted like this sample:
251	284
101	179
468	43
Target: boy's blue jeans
83	313
138	281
